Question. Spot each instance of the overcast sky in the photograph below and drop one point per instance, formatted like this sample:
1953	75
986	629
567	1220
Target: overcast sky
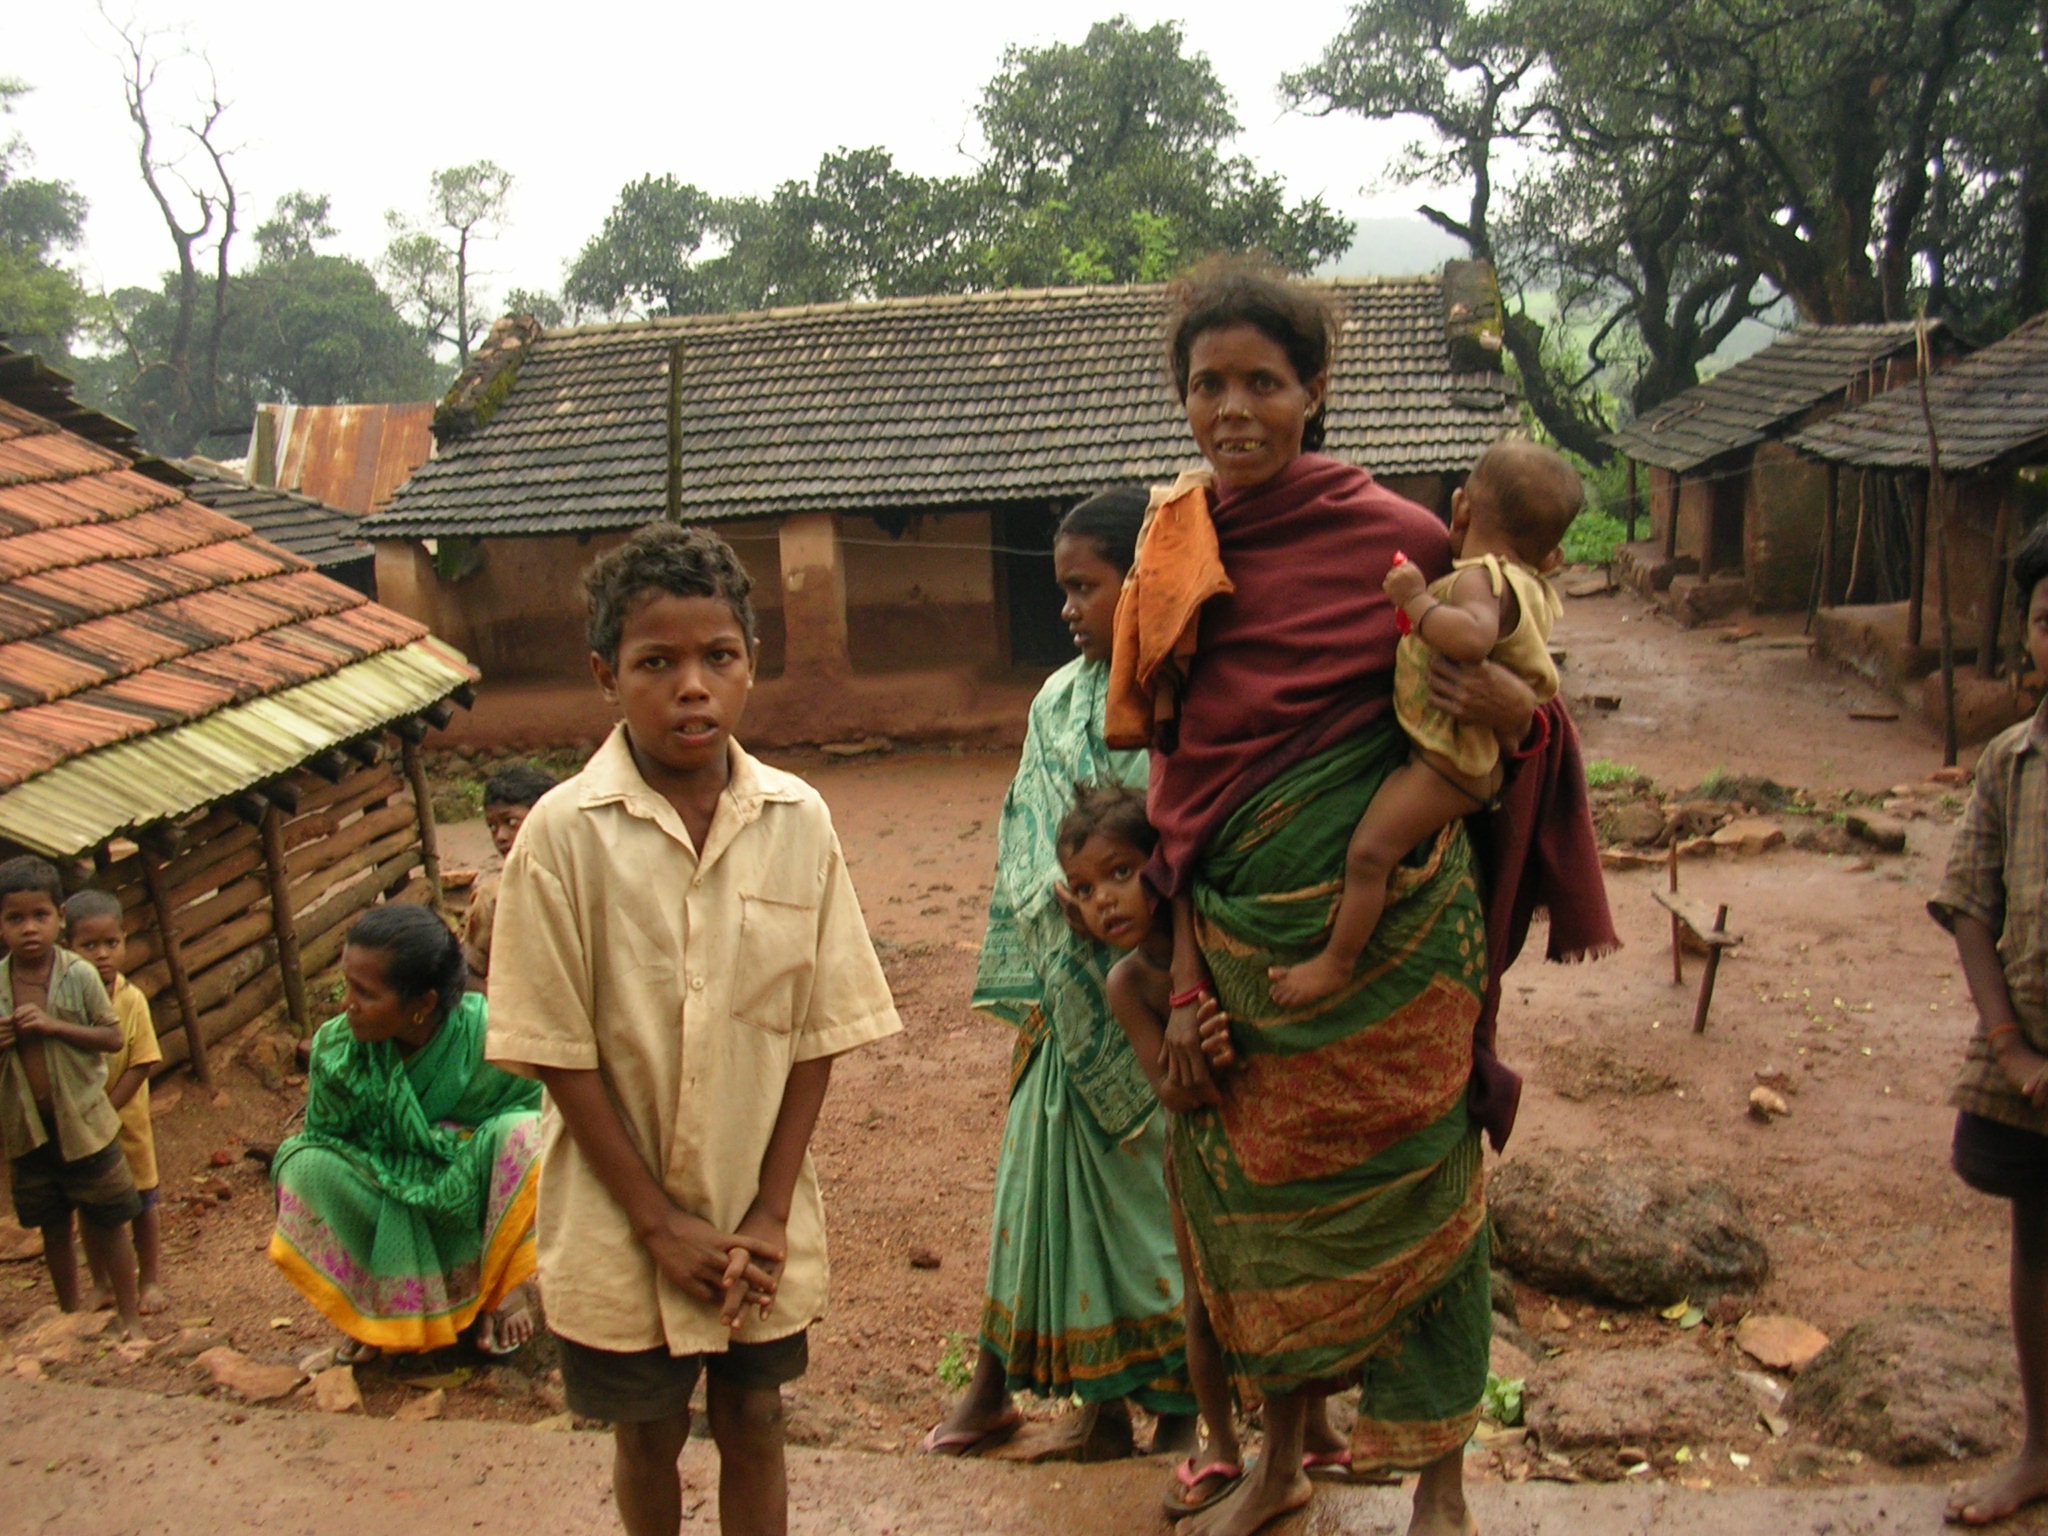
360	99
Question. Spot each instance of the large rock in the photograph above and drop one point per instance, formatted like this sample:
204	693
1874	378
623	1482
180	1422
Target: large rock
1916	1383
256	1380
1634	1232
1636	1396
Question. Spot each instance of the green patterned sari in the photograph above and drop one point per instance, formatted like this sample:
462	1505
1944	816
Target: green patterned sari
1083	1290
1336	1198
406	1206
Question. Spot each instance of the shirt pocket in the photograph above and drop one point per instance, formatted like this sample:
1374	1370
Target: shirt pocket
778	952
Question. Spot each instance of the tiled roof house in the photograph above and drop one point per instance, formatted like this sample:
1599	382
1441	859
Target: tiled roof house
200	713
1727	498
903	462
1990	414
325	537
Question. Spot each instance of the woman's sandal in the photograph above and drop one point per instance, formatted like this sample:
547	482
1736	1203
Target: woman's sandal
1188	1477
356	1352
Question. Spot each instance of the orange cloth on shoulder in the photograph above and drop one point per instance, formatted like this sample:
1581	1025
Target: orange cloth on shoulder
1178	568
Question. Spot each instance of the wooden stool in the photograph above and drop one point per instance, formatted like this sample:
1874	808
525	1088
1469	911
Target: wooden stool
1708	925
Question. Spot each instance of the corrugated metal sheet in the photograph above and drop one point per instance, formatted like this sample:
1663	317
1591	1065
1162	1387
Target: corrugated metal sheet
77	805
350	456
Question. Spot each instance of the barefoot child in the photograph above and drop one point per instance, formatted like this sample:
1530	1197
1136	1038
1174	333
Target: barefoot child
92	924
56	1124
509	795
680	956
1507	523
1994	899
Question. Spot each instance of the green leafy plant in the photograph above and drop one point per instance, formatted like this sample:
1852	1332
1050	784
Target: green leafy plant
1501	1403
1593	538
955	1359
1601	772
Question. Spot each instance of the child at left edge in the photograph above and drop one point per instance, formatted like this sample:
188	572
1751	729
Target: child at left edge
92	927
59	1131
679	956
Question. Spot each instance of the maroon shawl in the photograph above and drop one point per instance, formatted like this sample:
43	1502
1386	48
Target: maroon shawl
1299	656
1535	848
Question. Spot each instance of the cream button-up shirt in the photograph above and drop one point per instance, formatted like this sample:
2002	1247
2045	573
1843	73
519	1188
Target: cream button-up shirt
694	981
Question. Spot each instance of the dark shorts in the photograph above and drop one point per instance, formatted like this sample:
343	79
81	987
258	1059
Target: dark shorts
642	1385
1994	1158
149	1197
99	1187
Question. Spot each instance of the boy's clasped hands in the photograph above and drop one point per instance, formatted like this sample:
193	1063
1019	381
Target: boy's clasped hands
737	1269
28	1019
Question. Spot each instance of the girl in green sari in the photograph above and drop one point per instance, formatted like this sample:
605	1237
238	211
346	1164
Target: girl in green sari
405	1207
1084	1290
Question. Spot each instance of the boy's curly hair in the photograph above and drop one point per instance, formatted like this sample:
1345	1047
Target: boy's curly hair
29	873
2030	563
1112	810
663	557
521	783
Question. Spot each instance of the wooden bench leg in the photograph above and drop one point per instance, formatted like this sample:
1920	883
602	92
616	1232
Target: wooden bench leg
1699	1017
1677	929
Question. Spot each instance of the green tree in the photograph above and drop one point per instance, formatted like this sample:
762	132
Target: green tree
1106	163
42	303
429	263
302	327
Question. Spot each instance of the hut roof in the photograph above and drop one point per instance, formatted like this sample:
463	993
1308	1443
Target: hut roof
1742	405
156	656
921	403
323	536
1989	406
350	456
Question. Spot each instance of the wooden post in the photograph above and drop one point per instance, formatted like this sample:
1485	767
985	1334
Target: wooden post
1916	591
1634	501
1994	598
282	926
423	810
1856	544
174	962
1830	522
1671	515
1699	1013
1935	506
1677	929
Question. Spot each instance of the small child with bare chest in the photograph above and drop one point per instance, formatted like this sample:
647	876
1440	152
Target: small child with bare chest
1508	523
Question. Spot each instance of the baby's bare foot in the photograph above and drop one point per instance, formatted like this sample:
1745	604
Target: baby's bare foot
102	1300
152	1300
1296	986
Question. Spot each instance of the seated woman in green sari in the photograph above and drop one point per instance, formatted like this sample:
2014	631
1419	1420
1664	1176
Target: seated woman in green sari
405	1207
1331	1186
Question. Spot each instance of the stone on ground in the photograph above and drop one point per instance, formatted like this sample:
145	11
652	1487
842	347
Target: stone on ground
419	1408
1749	834
1636	1232
1885	833
1916	1383
335	1390
1642	1396
1639	822
252	1379
1779	1343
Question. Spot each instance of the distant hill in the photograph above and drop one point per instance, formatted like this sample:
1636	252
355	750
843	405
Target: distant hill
1399	247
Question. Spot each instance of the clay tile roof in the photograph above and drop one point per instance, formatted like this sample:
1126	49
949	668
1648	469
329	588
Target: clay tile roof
140	632
921	404
322	536
1741	405
1989	406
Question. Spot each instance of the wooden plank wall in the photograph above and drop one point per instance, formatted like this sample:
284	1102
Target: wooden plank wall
346	845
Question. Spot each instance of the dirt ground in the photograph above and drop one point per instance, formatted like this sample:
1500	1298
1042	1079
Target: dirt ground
1842	984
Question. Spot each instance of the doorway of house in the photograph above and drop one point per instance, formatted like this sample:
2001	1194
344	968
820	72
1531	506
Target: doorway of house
1038	636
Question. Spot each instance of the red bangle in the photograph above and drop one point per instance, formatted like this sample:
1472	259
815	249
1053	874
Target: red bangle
1193	994
1542	725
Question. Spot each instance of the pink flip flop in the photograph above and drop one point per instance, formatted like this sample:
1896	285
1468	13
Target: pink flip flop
1187	1476
1331	1464
971	1442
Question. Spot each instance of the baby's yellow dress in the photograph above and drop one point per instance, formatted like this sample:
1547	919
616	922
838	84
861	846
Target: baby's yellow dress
1473	749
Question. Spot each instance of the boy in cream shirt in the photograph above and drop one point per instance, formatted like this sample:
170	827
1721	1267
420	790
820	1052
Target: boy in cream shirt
678	956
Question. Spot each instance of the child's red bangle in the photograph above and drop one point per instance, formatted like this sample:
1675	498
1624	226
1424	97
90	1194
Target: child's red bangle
1992	1036
1193	994
1542	723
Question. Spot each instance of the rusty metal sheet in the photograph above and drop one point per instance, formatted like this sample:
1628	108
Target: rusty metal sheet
351	456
